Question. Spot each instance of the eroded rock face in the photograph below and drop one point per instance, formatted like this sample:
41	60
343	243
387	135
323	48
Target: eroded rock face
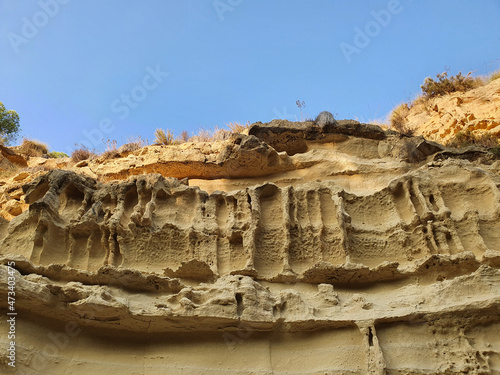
305	271
313	233
240	156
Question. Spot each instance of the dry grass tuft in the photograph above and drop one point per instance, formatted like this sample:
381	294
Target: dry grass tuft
493	76
183	137
163	137
237	127
82	153
399	121
138	140
111	151
211	135
220	134
33	148
203	135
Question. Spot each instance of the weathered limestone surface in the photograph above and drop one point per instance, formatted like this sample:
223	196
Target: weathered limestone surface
364	254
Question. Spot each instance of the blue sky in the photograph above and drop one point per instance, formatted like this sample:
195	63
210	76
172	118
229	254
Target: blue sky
82	71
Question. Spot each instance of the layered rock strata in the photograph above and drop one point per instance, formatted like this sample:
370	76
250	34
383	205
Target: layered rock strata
307	272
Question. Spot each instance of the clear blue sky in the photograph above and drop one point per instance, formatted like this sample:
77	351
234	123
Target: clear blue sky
75	70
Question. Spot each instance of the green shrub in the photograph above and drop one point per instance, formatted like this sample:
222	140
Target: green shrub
446	85
9	125
57	155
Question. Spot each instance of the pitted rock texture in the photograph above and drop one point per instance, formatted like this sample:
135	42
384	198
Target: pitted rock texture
354	261
161	225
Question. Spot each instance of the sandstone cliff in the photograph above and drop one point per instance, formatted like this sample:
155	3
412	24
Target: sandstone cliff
296	249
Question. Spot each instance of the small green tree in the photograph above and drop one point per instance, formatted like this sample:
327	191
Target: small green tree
9	124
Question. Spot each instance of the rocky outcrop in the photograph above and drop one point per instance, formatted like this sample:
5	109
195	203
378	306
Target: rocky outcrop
246	160
362	252
441	118
293	137
9	159
240	156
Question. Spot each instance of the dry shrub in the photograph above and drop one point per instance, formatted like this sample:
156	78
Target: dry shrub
110	154
211	135
399	119
133	144
220	134
111	144
82	153
445	85
33	148
183	137
466	138
494	75
138	140
111	151
129	147
163	137
203	135
237	127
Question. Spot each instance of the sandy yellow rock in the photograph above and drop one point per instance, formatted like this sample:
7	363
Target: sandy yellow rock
293	249
441	118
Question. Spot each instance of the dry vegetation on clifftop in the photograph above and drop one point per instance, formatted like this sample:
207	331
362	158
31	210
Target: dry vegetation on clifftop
452	106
